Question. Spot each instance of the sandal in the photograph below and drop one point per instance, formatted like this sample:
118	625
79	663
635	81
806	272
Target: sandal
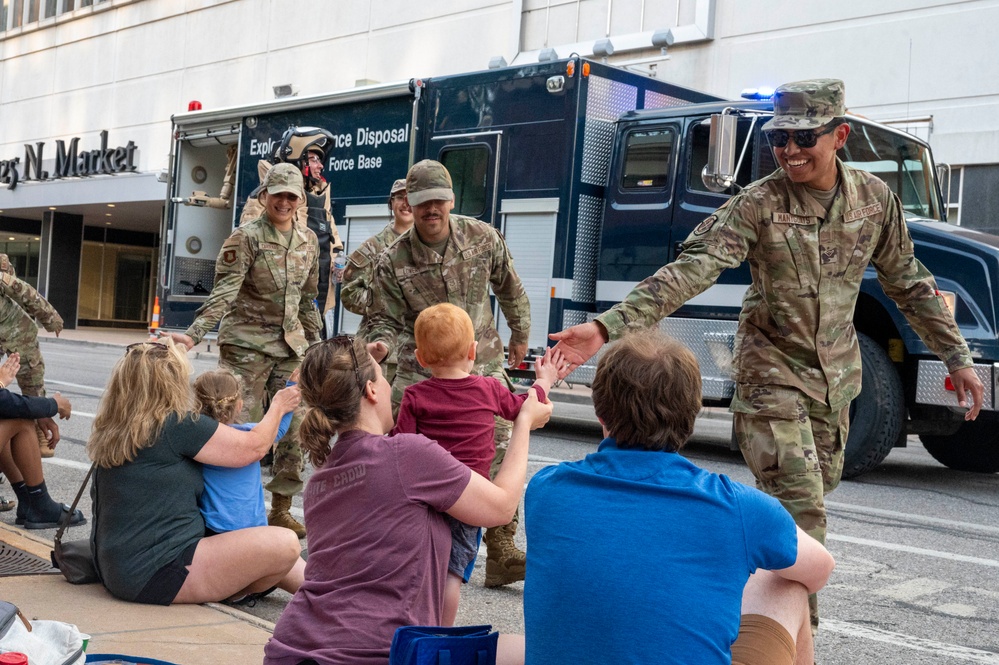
76	520
7	504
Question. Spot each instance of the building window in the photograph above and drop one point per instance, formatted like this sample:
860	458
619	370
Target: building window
22	13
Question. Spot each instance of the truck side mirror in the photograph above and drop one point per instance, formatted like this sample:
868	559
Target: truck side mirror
943	177
719	173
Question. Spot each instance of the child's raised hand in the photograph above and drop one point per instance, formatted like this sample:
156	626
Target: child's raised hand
287	399
9	368
552	367
534	412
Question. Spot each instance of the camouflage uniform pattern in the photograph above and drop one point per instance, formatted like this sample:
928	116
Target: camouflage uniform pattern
20	305
264	288
807	104
253	209
358	276
796	326
410	277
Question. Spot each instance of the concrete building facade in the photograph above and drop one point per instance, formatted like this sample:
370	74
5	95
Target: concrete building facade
87	89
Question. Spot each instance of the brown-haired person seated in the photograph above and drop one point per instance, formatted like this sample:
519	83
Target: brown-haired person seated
20	458
148	444
375	508
639	556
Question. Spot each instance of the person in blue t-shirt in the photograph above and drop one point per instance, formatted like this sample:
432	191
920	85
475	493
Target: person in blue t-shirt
639	556
234	496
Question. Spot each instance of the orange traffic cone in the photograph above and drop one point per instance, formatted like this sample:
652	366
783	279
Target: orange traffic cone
155	323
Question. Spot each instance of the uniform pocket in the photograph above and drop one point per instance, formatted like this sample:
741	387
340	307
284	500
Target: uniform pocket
267	272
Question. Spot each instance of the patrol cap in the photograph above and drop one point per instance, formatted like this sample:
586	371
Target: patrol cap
428	181
284	177
807	104
398	186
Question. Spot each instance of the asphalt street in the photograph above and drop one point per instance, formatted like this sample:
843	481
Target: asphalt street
916	544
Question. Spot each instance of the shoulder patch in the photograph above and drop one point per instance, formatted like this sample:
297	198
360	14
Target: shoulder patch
229	257
706	225
866	211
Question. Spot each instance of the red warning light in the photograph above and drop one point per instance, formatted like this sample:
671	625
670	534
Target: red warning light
194	105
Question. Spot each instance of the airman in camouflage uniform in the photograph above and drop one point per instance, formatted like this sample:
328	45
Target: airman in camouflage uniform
265	281
455	259
20	306
808	230
355	293
306	147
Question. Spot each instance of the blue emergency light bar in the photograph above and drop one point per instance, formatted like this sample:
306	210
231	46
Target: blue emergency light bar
761	93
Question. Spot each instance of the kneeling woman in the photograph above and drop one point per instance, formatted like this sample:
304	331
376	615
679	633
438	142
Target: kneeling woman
374	508
148	534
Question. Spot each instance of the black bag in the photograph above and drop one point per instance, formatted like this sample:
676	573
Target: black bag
75	559
437	645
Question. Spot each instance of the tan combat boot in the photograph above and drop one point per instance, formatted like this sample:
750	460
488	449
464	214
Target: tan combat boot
43	443
505	563
280	515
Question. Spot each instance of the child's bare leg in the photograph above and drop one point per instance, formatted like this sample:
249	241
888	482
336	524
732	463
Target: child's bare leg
452	596
293	580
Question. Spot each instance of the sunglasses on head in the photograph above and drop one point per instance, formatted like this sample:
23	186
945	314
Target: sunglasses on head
803	138
155	346
348	341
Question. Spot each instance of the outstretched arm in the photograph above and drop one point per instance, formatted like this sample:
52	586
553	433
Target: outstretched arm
578	344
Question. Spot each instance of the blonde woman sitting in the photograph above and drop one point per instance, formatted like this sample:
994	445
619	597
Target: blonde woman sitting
148	534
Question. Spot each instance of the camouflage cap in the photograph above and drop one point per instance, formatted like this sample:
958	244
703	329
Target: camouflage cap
398	186
284	178
428	181
807	104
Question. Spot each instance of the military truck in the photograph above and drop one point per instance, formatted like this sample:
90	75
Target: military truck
595	174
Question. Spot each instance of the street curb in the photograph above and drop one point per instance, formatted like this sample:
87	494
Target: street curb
79	342
195	355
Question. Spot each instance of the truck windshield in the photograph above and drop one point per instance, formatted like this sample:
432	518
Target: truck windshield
901	161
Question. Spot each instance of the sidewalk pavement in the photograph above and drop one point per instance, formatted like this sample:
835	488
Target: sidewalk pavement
185	634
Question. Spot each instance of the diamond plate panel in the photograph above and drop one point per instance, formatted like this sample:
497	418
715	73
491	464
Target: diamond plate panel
708	340
192	270
657	100
605	101
584	268
930	389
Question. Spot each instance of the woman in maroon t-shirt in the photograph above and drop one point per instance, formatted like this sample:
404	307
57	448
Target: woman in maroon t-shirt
378	542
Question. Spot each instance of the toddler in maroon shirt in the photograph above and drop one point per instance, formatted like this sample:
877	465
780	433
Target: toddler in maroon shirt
458	410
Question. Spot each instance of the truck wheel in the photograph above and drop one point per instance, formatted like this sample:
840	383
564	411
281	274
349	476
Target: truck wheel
973	447
877	415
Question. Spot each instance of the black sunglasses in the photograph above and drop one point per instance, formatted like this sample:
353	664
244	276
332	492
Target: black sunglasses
348	341
803	138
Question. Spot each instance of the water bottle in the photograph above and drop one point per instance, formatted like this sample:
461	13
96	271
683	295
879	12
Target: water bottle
339	263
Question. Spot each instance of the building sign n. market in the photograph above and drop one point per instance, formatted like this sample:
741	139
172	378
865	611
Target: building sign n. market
70	162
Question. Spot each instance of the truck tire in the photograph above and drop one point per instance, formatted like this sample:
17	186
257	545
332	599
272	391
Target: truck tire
877	416
973	447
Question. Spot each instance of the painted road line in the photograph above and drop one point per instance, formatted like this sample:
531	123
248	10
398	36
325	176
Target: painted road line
908	517
992	563
72	464
79	386
938	649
